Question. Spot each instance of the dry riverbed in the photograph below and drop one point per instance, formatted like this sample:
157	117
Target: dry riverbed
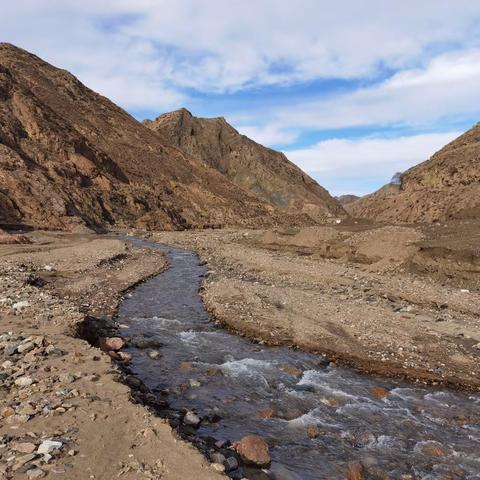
63	413
355	294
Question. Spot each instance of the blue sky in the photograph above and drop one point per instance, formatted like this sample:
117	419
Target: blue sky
352	91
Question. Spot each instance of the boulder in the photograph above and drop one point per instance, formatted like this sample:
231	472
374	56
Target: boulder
111	343
253	450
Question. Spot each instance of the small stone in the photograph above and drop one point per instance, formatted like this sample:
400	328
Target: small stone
253	450
194	383
25	347
124	357
35	473
313	431
7	412
23	447
111	343
154	354
379	392
434	450
19	306
23	381
217	457
48	268
67	378
72	453
185	366
191	418
267	413
218	467
292	370
48	446
230	463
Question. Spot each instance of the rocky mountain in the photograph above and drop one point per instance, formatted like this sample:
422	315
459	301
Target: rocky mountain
447	186
346	199
70	158
262	171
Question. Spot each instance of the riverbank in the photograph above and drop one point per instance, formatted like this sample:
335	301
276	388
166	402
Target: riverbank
64	414
355	294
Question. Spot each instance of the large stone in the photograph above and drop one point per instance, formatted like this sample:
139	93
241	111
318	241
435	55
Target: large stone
192	419
253	450
48	446
111	343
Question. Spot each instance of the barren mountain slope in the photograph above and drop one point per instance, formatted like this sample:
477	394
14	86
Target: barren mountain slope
262	171
69	156
444	187
346	199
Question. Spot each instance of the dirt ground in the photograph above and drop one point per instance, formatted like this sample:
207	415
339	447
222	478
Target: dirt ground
54	387
395	300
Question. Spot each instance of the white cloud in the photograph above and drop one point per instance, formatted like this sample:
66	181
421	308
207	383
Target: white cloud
161	46
269	135
367	160
448	85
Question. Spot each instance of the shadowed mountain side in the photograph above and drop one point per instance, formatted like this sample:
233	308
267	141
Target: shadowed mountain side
70	157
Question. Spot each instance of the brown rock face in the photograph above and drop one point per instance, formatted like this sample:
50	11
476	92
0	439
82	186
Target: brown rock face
346	199
262	171
70	158
447	186
253	450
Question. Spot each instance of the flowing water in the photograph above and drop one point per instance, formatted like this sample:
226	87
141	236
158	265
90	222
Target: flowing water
415	432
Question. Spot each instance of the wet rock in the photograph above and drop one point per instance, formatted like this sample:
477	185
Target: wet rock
217	457
194	383
214	372
313	431
291	370
305	388
48	446
111	343
185	366
154	354
230	463
267	413
355	471
218	467
379	392
192	419
253	450
434	450
144	343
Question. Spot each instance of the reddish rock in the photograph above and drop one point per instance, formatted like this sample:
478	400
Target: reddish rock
253	450
292	370
313	431
185	366
379	392
355	471
111	343
267	413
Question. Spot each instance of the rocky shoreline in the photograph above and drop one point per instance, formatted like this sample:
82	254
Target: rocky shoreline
64	405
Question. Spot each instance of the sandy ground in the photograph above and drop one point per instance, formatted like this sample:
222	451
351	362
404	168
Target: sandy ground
59	388
381	299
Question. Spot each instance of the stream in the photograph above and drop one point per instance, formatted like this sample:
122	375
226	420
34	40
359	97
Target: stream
415	432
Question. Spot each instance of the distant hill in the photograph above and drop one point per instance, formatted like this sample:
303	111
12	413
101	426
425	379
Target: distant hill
346	199
71	158
262	171
446	186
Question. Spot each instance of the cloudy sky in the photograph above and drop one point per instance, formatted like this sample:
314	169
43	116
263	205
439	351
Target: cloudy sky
352	90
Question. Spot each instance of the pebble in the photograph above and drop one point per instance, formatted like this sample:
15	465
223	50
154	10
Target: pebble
23	381
154	354
19	306
111	343
23	447
35	473
191	418
48	446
